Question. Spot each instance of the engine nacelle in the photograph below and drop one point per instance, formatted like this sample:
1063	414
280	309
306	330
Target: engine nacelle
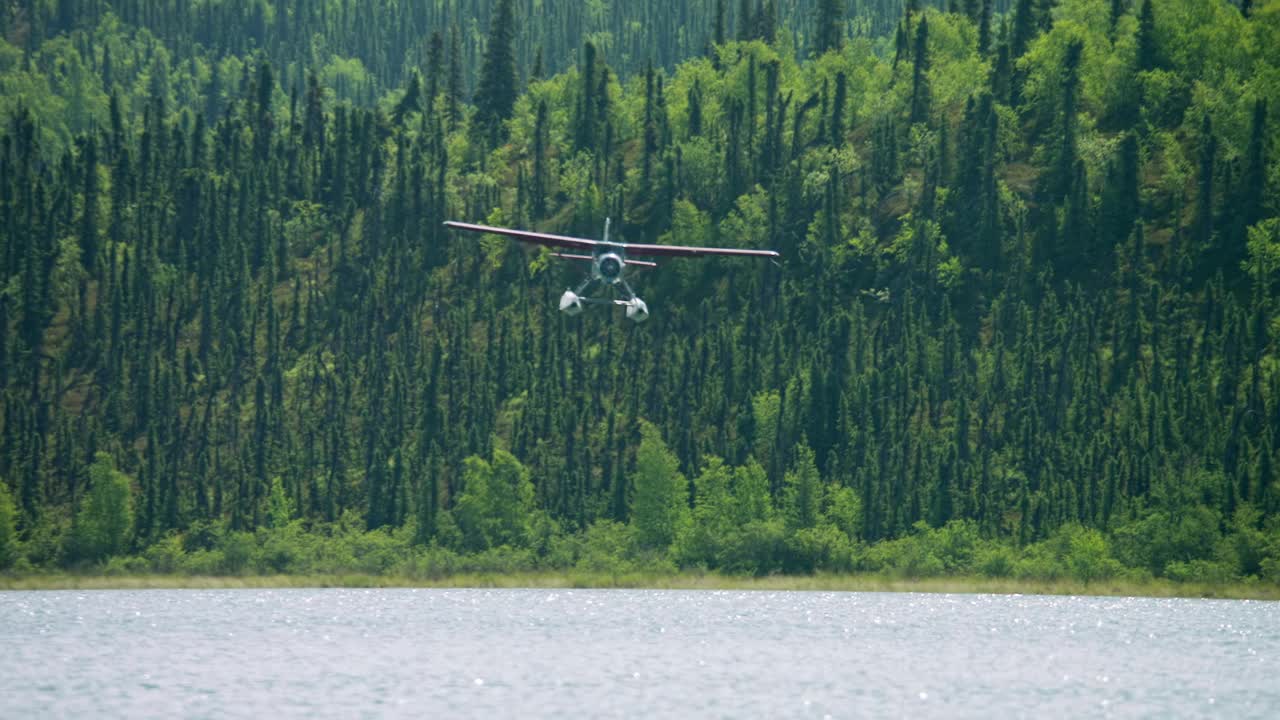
609	267
570	303
637	310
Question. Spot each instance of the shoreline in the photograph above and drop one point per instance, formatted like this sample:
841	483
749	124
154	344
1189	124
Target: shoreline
680	581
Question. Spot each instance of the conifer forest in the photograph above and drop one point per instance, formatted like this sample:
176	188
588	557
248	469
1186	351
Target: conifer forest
1026	322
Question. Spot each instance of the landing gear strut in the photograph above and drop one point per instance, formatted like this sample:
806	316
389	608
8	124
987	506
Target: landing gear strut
572	301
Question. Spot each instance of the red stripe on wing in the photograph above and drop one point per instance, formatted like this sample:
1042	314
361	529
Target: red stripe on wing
563	241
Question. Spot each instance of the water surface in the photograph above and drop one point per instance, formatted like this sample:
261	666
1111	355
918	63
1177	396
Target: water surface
631	653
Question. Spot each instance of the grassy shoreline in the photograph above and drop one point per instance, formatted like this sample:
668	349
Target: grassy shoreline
680	581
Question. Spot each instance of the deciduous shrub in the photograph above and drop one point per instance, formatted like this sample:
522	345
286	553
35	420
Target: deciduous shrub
105	522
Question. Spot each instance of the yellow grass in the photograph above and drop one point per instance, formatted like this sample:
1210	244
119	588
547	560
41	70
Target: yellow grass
681	581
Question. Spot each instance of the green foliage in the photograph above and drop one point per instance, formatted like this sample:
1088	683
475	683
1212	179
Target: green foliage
803	493
751	500
1246	546
819	547
496	503
104	525
1087	555
9	549
756	548
845	511
607	547
279	506
1160	538
237	553
1264	251
496	93
1029	293
995	561
660	504
713	518
1200	571
951	549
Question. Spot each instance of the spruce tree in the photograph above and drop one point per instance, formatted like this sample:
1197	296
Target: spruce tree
411	101
1024	30
89	215
803	491
828	31
496	93
435	69
984	28
695	110
837	109
919	74
718	24
540	169
1204	196
453	79
1147	58
1117	10
1255	174
1065	160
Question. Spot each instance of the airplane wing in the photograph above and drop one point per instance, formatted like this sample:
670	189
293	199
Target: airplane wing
575	243
563	241
629	261
691	251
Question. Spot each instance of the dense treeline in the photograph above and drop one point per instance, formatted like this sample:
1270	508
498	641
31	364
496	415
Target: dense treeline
196	52
1023	325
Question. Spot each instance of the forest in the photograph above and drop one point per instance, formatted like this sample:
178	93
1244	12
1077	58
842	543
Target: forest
1023	325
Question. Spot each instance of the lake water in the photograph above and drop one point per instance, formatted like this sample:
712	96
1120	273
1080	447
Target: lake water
631	653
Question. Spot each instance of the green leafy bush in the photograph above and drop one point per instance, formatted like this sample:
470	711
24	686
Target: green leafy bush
927	552
203	562
165	556
995	560
237	552
105	521
9	549
758	548
607	547
1088	556
1200	571
1072	551
431	563
822	547
1158	538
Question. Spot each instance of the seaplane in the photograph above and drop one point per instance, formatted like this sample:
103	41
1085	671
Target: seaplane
609	260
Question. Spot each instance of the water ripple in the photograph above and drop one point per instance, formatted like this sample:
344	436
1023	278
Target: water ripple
624	653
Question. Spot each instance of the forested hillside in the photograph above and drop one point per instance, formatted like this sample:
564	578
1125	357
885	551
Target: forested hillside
1023	325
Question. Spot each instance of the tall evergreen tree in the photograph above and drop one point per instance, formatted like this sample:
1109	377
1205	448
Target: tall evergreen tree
586	119
984	27
1147	53
496	93
453	80
1204	197
540	169
411	101
1066	153
828	31
919	74
1254	183
802	496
